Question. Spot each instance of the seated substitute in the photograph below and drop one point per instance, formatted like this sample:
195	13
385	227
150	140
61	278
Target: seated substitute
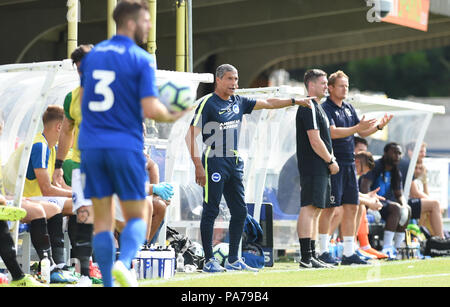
396	212
423	207
38	184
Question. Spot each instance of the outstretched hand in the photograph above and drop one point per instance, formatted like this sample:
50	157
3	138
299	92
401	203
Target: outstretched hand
365	124
376	199
305	102
385	120
375	195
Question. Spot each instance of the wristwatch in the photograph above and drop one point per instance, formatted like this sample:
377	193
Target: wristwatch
58	163
293	101
378	127
333	159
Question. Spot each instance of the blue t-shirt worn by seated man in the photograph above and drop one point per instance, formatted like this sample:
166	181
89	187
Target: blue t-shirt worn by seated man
116	75
387	181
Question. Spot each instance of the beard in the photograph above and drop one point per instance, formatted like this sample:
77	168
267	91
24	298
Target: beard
139	37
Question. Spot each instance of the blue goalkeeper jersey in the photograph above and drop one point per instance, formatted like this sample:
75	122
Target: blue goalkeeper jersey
115	76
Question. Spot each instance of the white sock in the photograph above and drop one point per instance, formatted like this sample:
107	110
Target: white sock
388	238
60	265
349	246
399	237
323	243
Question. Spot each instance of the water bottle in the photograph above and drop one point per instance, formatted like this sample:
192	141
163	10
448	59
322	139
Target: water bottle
45	269
332	248
339	249
180	263
416	249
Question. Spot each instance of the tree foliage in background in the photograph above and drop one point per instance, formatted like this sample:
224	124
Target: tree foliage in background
423	73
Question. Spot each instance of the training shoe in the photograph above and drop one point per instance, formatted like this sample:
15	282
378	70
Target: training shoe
327	258
239	265
317	264
324	264
123	276
60	276
83	282
364	255
27	281
353	259
9	213
391	252
313	264
213	266
305	265
376	253
94	273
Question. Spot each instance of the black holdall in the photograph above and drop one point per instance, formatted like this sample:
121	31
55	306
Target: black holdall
437	247
182	244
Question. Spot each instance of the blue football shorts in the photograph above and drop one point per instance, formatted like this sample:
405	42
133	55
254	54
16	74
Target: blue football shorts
109	171
344	186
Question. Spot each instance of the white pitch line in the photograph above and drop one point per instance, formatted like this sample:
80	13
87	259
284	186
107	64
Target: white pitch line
201	275
380	280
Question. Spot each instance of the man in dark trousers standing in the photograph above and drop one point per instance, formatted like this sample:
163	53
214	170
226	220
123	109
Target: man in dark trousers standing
315	162
220	171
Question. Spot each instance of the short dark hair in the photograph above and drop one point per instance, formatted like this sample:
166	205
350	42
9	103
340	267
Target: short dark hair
390	145
128	9
53	113
78	54
312	75
361	140
367	158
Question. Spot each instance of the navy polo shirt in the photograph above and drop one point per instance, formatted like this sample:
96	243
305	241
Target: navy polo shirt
220	121
344	116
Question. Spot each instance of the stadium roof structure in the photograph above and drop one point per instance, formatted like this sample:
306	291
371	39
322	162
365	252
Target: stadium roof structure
257	36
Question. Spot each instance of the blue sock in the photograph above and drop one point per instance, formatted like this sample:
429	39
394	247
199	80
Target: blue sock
105	254
131	239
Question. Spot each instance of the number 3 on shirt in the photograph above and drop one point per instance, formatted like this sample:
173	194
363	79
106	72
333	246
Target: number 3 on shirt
105	78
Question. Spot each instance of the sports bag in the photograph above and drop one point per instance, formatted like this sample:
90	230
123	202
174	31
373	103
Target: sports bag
252	252
182	244
437	247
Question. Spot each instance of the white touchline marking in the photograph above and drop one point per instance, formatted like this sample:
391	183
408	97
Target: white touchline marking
201	275
380	280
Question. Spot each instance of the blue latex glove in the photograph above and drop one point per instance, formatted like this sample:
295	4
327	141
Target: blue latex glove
163	190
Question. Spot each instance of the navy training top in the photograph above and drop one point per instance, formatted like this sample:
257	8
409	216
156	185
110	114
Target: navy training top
344	116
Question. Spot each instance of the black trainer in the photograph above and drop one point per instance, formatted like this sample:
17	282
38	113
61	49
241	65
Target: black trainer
326	265
353	259
313	264
328	258
305	265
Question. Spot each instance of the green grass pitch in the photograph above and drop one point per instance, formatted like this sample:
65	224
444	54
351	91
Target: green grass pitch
408	273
